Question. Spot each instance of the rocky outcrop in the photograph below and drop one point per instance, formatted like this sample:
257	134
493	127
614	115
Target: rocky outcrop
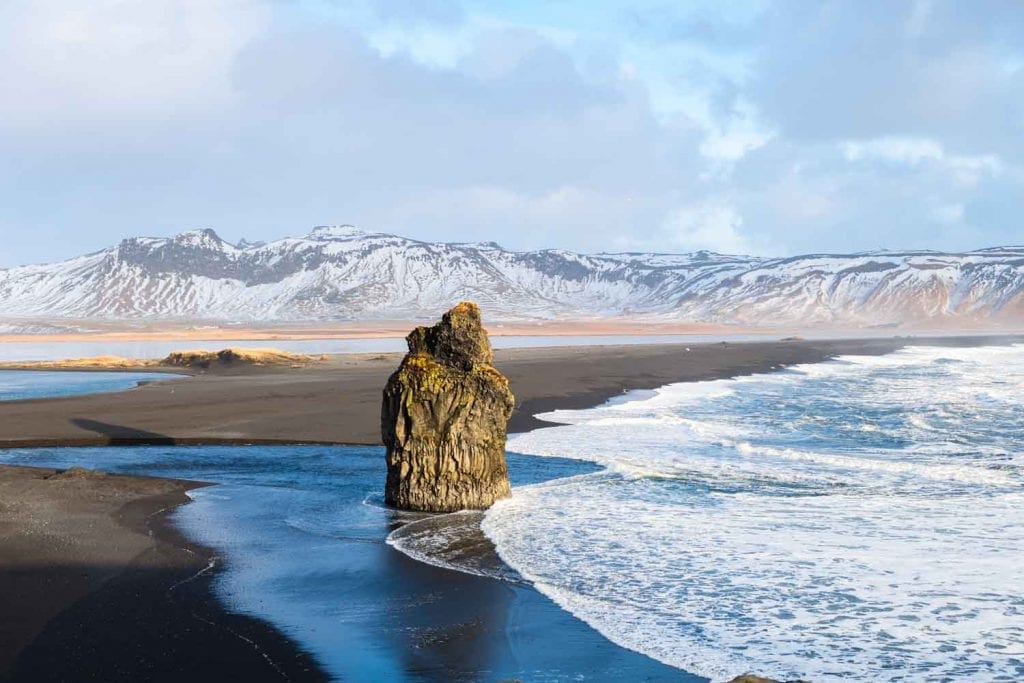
751	678
443	419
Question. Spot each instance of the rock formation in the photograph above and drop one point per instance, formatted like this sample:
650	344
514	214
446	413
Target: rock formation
443	419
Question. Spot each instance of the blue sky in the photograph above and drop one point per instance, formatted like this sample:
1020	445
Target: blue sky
760	127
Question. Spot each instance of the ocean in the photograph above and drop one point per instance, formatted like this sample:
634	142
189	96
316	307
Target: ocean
24	384
859	519
302	535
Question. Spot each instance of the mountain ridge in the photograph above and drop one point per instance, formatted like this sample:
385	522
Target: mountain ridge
344	273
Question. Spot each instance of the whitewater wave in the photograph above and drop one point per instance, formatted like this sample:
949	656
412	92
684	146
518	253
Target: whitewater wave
851	520
452	541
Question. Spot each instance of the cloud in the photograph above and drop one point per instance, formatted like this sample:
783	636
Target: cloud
967	170
738	133
418	12
946	71
524	220
761	126
315	126
97	65
712	227
901	150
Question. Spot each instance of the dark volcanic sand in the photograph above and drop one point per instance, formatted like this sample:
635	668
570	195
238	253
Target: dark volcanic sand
96	585
89	595
338	401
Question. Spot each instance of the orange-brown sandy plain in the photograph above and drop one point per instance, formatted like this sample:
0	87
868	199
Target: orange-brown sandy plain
201	331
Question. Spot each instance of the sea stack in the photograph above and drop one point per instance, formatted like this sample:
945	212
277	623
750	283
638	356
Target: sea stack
444	417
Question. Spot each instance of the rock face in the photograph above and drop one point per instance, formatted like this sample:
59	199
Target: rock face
443	419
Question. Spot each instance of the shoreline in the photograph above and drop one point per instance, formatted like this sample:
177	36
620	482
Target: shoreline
80	548
930	347
545	379
337	401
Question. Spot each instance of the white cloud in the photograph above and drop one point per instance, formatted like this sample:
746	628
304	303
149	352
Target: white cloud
732	146
711	226
970	171
731	137
106	61
523	220
533	126
895	149
967	170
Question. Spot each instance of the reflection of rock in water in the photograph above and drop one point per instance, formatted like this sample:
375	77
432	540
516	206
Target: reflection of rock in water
443	419
453	541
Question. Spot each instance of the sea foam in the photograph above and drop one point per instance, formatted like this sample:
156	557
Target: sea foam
859	519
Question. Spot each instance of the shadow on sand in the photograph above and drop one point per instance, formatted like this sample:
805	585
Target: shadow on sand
123	435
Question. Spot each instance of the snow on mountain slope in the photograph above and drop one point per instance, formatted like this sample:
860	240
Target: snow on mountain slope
343	273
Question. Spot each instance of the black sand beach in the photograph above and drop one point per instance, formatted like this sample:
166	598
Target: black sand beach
338	400
451	626
97	585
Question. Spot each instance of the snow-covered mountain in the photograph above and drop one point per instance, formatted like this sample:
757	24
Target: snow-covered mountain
343	273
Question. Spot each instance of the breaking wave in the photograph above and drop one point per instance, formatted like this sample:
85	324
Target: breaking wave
859	519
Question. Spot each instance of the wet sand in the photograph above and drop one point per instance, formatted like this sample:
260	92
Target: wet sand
77	552
95	584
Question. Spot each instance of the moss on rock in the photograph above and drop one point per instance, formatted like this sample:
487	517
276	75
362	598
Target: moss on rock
443	419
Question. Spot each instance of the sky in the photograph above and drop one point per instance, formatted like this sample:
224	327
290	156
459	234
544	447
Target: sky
769	128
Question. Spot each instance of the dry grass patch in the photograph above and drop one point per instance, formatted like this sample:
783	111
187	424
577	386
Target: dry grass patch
179	359
237	356
91	363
